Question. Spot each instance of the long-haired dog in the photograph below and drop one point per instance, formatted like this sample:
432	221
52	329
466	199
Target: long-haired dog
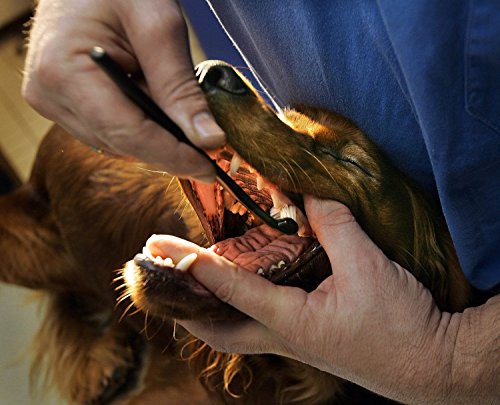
83	214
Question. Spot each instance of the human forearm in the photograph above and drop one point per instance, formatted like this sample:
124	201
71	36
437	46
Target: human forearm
475	365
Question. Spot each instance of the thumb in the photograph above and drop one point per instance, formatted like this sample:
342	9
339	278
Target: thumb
351	252
250	293
158	34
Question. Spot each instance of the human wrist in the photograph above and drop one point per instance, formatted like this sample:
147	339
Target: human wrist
420	372
461	361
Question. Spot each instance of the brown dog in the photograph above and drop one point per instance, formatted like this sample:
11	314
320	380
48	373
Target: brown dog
83	214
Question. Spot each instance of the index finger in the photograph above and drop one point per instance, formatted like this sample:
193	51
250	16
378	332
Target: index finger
158	34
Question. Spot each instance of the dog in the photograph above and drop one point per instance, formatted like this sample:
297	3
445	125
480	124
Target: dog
68	231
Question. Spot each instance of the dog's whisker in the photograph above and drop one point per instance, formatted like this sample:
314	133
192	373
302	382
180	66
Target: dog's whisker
122	298
289	173
117	279
145	328
151	170
322	165
183	201
156	332
169	184
138	310
303	171
174	331
125	312
186	205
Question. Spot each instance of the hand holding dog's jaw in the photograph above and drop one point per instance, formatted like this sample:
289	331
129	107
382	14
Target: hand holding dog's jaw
366	323
63	84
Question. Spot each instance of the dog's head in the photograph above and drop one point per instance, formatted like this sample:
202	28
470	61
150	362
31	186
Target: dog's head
278	157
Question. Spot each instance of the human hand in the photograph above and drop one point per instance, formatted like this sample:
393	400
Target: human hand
148	37
371	322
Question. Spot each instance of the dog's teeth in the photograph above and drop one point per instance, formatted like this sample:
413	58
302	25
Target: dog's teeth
242	211
281	264
168	262
260	183
274	267
235	208
275	213
235	164
228	200
146	252
260	271
276	201
289	211
186	262
158	260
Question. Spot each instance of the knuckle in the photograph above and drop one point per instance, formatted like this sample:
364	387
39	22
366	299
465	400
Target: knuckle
338	214
31	94
225	291
36	99
40	81
180	92
118	138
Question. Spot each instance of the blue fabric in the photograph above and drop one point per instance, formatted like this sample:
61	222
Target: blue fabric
421	78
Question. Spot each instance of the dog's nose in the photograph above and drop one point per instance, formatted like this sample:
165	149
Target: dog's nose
223	77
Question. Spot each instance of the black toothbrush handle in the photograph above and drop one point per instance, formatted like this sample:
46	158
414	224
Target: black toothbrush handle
142	100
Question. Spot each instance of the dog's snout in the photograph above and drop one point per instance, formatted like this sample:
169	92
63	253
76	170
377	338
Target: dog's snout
223	77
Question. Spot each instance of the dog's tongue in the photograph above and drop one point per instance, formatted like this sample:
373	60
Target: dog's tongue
261	248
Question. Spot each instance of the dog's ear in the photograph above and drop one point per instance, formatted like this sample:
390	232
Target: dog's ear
31	250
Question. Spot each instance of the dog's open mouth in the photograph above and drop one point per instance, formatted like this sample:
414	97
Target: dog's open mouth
238	235
242	238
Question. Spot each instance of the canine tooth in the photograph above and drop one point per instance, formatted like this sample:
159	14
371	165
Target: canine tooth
281	264
260	271
274	267
303	223
146	252
186	262
235	164
276	200
260	183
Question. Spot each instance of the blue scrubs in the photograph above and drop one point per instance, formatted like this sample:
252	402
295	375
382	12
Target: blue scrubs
421	78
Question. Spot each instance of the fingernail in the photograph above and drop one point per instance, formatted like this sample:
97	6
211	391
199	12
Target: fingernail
209	132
